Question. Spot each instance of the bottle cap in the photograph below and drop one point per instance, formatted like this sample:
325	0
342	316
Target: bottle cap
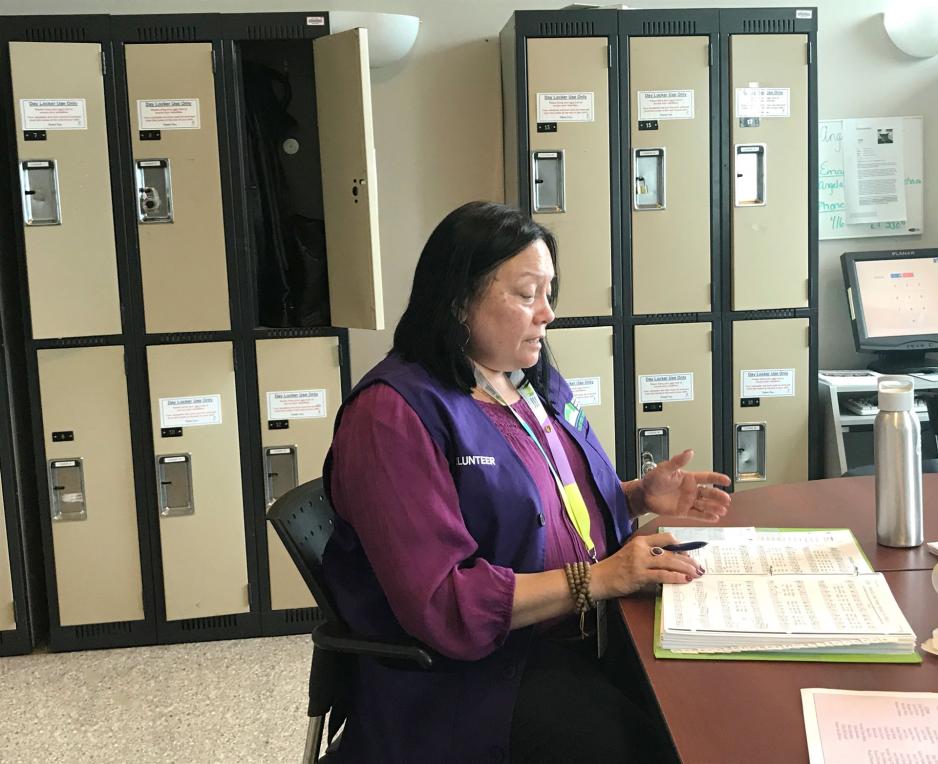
896	393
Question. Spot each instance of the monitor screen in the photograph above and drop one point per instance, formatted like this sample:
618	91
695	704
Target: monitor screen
893	299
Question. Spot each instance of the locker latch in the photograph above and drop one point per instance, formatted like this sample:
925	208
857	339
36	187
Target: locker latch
39	180
280	472
648	182
653	448
174	484
750	452
67	490
750	175
154	191
547	170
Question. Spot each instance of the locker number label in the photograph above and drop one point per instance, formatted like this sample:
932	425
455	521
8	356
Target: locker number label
586	391
665	104
168	114
662	388
565	107
53	114
296	404
192	411
767	383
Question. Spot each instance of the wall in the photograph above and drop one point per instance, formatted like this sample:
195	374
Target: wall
438	123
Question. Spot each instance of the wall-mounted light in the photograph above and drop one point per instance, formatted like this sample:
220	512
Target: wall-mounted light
390	35
912	25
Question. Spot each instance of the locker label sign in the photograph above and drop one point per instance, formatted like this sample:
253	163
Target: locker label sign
53	114
763	102
586	391
767	383
565	107
296	404
168	114
661	388
192	411
665	104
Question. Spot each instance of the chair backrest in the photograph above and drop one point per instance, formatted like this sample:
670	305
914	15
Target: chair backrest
304	519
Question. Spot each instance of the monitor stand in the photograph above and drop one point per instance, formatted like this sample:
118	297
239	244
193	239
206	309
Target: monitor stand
903	362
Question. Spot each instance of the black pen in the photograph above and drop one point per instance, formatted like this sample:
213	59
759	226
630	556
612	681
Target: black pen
685	547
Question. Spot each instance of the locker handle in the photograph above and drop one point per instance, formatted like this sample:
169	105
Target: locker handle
750	168
174	485
67	490
154	191
649	179
280	467
549	174
750	460
39	180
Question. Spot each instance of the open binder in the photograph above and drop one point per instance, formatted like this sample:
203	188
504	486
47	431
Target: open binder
782	594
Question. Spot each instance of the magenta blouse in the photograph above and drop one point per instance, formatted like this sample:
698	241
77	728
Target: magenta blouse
393	485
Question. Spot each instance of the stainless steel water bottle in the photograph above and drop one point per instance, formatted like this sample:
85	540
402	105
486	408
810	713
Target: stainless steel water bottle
897	454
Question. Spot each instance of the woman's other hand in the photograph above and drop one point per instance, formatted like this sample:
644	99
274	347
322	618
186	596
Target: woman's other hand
635	565
670	491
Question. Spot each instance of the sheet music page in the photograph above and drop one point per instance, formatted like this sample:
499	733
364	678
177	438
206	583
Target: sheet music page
784	605
863	726
771	553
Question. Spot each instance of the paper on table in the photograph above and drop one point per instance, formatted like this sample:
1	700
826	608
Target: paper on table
737	613
855	726
741	534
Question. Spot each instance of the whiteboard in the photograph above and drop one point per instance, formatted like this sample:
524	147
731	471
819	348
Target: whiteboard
832	213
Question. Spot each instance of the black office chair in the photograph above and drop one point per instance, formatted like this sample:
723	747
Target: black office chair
930	431
304	520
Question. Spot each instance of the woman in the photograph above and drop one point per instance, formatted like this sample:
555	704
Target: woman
472	497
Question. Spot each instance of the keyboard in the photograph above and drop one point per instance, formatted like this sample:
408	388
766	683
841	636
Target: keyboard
867	405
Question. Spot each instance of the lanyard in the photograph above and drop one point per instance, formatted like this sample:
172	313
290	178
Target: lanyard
563	475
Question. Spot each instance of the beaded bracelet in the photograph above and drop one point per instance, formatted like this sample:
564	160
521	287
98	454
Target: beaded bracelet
578	579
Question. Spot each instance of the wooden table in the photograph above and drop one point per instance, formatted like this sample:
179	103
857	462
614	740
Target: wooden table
724	712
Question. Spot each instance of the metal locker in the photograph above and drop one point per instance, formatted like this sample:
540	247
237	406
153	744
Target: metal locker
674	393
568	117
7	610
769	156
65	186
770	402
90	485
177	186
670	198
300	388
349	179
586	359
194	416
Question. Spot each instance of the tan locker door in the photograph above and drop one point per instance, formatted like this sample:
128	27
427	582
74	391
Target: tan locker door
576	65
185	276
349	179
778	345
204	553
665	356
97	559
298	380
673	238
71	267
770	239
7	615
585	358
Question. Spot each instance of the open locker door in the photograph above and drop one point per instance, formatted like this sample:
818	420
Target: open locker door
349	180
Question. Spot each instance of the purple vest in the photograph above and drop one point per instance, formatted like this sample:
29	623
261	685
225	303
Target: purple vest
462	711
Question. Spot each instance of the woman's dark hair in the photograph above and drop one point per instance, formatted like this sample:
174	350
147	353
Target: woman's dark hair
456	265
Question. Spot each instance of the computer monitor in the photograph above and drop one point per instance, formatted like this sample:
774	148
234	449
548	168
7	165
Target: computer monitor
893	303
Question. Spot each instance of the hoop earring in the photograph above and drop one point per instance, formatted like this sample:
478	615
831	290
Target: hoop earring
465	343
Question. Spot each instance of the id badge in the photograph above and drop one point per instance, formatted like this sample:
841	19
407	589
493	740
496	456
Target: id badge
602	632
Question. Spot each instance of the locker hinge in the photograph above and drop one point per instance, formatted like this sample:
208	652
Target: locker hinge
710	340
609	57
612	345
234	362
214	67
807	336
247	589
710	54
103	64
807	289
810	52
340	355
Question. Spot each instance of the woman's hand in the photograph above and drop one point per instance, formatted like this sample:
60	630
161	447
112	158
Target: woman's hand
670	491
635	565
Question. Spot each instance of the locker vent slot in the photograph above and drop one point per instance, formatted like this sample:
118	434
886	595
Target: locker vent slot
275	32
669	27
182	338
174	33
92	630
78	342
311	331
565	28
215	622
771	313
669	318
768	26
580	321
56	34
302	615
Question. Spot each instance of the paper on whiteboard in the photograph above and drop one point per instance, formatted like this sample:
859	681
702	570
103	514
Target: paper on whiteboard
874	170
